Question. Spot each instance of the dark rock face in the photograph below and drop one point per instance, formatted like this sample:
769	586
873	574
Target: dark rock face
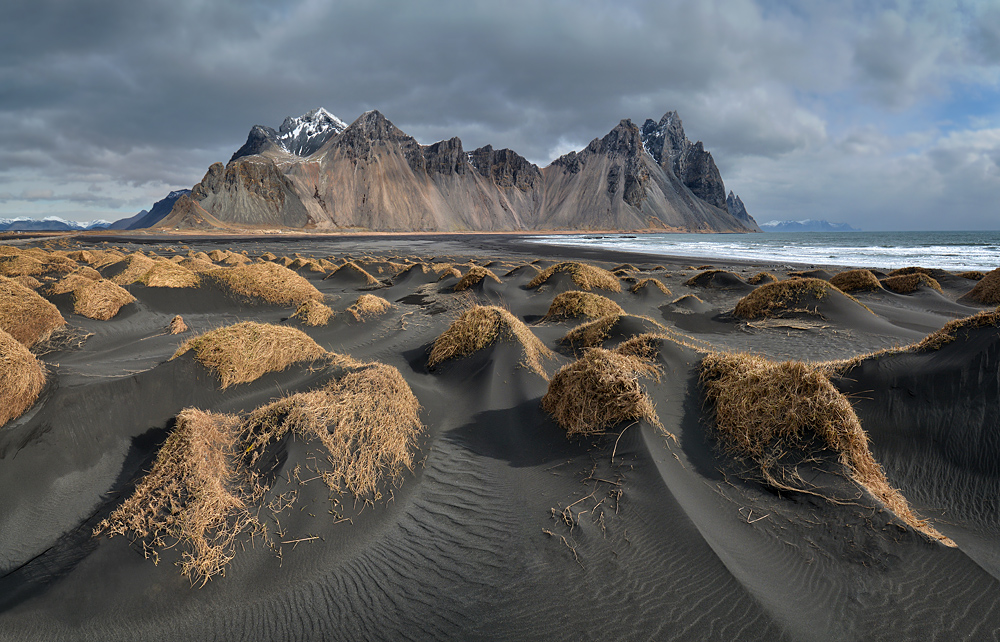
371	130
304	135
446	157
505	168
736	208
669	146
260	139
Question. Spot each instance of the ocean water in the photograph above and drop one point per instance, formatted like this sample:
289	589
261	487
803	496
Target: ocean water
883	250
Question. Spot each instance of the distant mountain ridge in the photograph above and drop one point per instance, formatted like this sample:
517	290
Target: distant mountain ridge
49	223
807	225
315	172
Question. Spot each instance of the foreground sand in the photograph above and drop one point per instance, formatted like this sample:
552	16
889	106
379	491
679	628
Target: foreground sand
506	528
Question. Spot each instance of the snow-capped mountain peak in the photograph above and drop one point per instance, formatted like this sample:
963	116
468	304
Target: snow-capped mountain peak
305	134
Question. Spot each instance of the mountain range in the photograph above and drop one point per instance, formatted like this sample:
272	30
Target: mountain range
807	225
317	172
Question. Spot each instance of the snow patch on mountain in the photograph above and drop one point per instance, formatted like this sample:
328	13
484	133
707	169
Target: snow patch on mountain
304	135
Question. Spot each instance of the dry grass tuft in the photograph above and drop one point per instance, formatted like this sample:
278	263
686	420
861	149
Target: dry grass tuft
594	333
987	291
972	275
704	279
21	378
761	278
353	269
474	276
232	258
100	300
856	281
25	315
268	256
246	351
33	262
198	266
514	271
586	277
217	255
368	306
575	303
949	333
911	270
82	256
481	326
268	282
136	266
368	421
650	283
764	409
446	270
165	274
775	298
599	391
909	283
312	312
198	495
177	325
29	282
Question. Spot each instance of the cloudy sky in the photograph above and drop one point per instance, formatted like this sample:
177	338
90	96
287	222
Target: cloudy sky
884	115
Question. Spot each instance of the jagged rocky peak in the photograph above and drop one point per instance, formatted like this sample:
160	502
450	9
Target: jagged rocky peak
372	130
666	142
305	134
624	140
299	135
505	168
735	207
446	157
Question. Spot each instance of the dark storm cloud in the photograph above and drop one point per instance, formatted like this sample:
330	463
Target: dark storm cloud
143	96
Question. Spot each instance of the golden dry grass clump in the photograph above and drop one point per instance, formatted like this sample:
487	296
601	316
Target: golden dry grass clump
33	262
136	266
312	312
987	291
198	495
198	266
575	303
474	276
25	315
856	281
81	256
949	333
244	352
599	391
367	420
649	283
177	325
480	326
911	270
96	299
705	279
21	378
268	256
764	410
29	282
972	275
910	282
587	277
762	278
166	274
217	255
594	333
268	282
232	258
774	298
352	269
368	306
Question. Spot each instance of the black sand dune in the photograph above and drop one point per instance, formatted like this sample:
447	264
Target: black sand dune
506	528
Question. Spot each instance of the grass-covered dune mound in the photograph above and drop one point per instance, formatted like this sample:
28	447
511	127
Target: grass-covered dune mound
794	296
765	410
368	306
986	291
21	378
718	279
599	391
586	277
474	276
576	303
265	282
244	352
856	281
910	283
481	326
25	315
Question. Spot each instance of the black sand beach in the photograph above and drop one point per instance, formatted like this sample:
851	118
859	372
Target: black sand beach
653	527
